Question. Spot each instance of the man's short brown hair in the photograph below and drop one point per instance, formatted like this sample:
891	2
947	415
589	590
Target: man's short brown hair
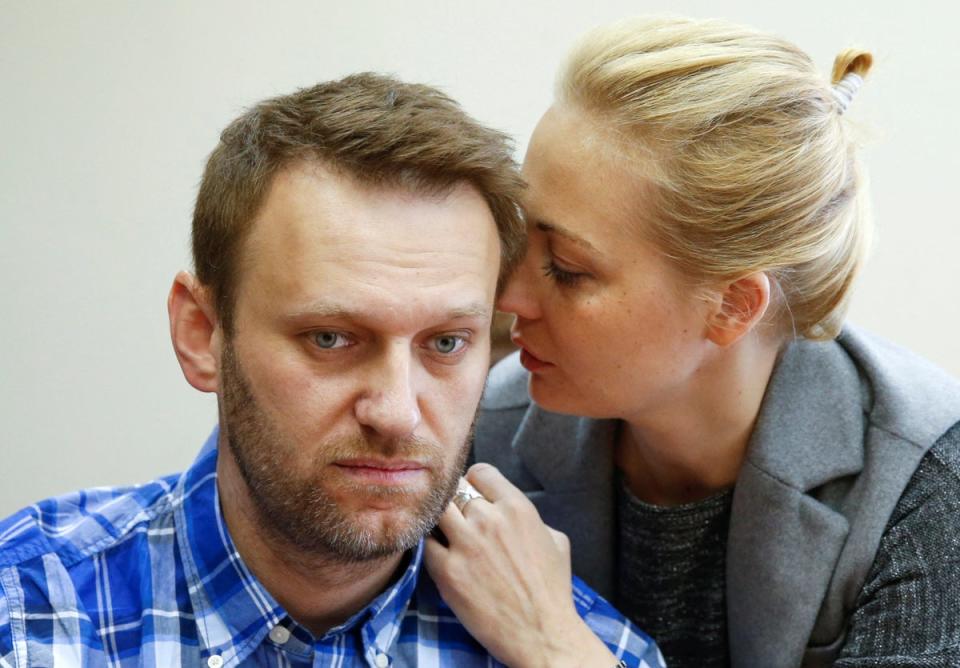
371	127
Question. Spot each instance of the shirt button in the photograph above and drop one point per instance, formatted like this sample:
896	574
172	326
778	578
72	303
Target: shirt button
215	661
382	661
279	634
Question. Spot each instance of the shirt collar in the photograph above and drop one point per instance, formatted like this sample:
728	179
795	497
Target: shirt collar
234	613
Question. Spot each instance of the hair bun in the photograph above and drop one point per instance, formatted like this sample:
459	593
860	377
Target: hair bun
849	69
851	61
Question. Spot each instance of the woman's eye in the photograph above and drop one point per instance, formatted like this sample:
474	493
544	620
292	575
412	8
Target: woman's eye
448	344
330	340
561	276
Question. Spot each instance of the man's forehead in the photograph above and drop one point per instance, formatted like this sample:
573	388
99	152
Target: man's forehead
322	247
310	205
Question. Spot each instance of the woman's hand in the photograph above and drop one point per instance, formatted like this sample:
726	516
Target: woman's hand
506	575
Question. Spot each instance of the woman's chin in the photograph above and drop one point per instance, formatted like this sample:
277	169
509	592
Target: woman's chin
560	397
554	397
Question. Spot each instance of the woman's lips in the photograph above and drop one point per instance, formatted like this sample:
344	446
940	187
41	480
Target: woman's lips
529	361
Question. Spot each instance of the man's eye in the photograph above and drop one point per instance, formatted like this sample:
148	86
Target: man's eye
448	344
330	340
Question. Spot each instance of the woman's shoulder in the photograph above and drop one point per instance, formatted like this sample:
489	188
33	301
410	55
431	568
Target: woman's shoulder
503	407
506	386
911	396
892	359
908	605
931	500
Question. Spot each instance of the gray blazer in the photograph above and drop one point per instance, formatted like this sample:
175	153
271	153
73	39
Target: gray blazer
842	427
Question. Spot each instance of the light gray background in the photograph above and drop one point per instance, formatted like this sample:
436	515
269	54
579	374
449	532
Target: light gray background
108	109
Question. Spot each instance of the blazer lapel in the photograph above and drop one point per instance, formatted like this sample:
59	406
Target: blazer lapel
782	551
784	541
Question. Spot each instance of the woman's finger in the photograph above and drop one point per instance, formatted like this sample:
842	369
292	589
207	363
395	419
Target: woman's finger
491	483
452	522
435	553
468	496
560	539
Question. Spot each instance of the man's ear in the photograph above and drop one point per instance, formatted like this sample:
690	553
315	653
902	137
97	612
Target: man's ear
739	308
194	331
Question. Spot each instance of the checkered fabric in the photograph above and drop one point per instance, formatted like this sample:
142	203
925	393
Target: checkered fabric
148	576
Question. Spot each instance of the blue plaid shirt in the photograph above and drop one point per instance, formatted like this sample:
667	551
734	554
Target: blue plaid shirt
148	576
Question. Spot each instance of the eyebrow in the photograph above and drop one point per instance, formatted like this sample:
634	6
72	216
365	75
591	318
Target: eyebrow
474	310
550	228
333	310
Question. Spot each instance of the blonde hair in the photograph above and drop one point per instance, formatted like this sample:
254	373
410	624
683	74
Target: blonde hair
754	168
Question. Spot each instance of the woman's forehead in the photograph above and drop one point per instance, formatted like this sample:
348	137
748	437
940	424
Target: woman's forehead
581	184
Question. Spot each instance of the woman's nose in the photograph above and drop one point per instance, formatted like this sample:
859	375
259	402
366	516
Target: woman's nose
520	294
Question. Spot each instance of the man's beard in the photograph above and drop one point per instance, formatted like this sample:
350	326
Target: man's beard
298	509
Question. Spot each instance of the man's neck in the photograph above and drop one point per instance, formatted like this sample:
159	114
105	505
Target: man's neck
318	591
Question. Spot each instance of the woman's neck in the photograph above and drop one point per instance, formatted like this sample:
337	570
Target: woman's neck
694	447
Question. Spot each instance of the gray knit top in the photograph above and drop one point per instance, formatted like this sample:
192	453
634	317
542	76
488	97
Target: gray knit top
672	580
671	570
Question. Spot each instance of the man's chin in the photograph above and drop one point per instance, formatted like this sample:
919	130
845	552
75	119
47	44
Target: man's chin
363	526
384	517
374	534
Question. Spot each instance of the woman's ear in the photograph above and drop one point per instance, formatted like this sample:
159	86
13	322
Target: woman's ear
194	331
739	308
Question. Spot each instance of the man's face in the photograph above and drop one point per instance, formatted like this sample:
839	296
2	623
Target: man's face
359	353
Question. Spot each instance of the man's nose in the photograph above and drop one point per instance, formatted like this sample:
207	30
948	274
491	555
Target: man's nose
389	403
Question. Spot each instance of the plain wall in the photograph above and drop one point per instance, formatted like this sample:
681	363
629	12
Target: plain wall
108	110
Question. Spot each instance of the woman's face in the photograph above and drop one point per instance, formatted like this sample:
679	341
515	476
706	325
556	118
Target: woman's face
605	324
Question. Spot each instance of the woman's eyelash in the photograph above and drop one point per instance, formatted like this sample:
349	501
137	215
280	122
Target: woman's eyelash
561	276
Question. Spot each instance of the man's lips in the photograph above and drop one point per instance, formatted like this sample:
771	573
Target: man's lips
382	471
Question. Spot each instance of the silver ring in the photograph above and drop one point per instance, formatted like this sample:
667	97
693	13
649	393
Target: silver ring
465	494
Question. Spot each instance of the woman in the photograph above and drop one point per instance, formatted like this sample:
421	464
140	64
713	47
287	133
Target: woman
751	482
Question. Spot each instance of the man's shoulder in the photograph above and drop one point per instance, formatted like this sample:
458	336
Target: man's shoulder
80	563
623	639
430	610
82	524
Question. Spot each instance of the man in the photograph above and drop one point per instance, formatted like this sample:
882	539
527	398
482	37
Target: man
348	240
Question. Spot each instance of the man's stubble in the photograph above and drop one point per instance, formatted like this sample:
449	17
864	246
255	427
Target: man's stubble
297	508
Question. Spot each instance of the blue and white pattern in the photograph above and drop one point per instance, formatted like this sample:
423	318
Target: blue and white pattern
148	576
